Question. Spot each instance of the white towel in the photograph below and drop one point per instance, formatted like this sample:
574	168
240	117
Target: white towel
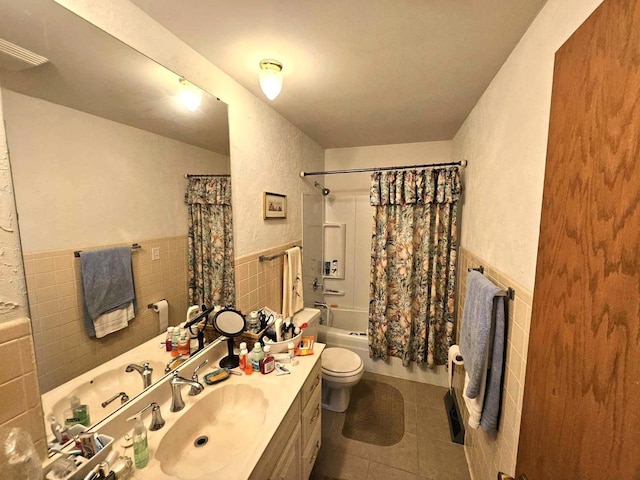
474	405
292	296
113	321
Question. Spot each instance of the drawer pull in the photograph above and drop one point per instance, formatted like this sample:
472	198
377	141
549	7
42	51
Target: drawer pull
315	454
315	384
315	415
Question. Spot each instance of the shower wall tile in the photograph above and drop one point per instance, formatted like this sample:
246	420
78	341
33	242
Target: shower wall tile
488	454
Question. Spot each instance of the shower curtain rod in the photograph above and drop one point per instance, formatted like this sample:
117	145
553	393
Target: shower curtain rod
189	175
462	163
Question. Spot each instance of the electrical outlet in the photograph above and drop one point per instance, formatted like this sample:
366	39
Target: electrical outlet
155	253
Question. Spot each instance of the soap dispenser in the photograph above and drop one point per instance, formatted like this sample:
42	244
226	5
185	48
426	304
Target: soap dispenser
140	447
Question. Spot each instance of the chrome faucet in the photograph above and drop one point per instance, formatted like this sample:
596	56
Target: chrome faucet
176	382
145	371
177	360
157	422
193	390
123	400
320	304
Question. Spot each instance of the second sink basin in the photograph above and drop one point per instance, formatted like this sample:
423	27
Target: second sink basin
213	432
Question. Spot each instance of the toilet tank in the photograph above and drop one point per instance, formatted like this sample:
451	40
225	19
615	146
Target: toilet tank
310	316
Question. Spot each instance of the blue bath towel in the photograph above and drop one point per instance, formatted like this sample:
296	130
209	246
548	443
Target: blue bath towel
474	345
107	283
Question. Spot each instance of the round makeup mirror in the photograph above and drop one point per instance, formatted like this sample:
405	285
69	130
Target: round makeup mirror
230	323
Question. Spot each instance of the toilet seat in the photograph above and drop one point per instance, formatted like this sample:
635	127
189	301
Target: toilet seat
340	362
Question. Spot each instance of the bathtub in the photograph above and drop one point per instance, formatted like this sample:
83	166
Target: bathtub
347	328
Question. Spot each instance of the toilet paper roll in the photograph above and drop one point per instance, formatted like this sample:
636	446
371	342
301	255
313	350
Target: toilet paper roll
162	308
455	358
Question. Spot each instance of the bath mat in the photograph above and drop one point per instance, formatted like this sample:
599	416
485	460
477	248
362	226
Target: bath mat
375	414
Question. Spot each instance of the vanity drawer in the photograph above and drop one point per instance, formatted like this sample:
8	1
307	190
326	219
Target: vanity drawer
312	384
311	416
311	450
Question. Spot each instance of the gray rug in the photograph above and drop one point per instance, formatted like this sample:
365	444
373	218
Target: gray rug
375	414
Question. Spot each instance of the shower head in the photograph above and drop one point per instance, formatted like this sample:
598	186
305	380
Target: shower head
325	191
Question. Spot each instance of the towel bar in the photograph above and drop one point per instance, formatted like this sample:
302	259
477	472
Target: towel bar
135	246
263	258
510	293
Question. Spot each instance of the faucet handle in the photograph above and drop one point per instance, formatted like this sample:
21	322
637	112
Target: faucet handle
157	422
194	390
195	370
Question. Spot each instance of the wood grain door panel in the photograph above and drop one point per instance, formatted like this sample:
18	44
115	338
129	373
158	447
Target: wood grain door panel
581	411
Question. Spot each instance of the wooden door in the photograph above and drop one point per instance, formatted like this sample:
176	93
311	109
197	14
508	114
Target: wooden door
581	412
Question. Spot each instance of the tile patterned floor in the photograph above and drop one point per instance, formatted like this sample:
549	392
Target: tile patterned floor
424	453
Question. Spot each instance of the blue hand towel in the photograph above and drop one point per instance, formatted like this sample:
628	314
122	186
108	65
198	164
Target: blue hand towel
107	282
474	345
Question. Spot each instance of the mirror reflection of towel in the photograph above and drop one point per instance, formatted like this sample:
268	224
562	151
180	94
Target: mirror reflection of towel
107	283
292	296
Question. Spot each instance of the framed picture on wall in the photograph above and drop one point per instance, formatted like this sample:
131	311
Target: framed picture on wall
274	206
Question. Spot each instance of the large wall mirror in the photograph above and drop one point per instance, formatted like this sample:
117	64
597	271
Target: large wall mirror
99	147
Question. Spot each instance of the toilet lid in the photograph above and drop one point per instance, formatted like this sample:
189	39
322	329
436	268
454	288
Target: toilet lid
339	361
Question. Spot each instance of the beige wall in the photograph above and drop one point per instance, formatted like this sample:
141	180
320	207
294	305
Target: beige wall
379	156
13	291
82	180
488	454
505	140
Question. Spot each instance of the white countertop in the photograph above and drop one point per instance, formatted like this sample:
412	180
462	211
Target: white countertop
280	391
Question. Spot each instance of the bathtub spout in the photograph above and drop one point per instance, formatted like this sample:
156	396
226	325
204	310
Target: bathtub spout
320	304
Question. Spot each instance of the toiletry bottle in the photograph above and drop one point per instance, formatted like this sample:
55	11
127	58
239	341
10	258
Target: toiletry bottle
140	448
183	344
175	339
267	364
80	412
243	359
256	355
278	329
291	349
253	323
168	340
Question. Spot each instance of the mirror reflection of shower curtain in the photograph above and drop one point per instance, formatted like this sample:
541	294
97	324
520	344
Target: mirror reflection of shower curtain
211	256
413	264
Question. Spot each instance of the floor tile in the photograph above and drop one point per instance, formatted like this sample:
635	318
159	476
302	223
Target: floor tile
378	471
432	423
406	387
442	460
430	395
410	417
337	440
402	455
333	463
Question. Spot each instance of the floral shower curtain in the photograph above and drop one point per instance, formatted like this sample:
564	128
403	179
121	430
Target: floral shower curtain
211	271
413	264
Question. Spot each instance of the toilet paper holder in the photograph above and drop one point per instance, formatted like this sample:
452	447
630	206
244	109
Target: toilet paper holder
151	305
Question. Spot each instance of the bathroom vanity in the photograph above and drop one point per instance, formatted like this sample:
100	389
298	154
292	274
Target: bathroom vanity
247	427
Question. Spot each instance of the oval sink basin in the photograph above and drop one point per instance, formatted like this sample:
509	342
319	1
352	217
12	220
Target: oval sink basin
102	387
213	432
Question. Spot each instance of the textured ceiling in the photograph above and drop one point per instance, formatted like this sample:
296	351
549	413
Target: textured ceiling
359	72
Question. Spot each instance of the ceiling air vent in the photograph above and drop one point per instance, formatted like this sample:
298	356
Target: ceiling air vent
15	58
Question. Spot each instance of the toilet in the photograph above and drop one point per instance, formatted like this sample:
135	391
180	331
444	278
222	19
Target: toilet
341	371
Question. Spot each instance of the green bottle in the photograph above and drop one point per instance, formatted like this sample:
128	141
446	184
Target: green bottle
140	448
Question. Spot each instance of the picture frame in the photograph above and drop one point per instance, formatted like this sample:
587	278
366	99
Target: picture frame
274	206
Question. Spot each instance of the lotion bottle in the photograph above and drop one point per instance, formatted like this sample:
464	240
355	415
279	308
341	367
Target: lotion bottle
256	355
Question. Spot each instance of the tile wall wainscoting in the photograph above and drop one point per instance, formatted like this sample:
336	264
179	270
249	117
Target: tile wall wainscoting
62	347
488	454
19	393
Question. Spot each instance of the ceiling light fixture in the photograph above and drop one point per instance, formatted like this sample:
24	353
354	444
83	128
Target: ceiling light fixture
271	78
190	95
